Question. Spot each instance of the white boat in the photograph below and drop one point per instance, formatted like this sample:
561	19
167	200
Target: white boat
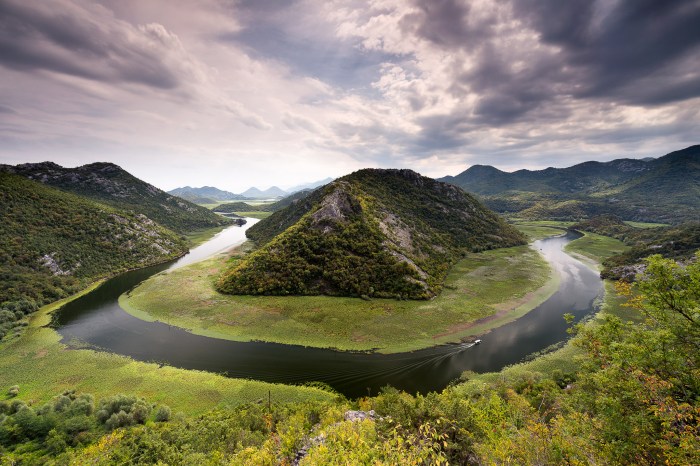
476	342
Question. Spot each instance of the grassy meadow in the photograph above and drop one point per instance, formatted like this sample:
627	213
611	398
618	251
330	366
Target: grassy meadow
42	366
482	291
593	249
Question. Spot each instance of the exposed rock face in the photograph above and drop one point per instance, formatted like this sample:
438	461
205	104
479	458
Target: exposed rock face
383	233
335	209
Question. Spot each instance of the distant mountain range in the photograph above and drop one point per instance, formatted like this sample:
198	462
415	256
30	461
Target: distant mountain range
271	193
211	195
110	184
384	233
309	186
205	194
665	189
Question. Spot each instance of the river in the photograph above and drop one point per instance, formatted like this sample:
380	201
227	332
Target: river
97	319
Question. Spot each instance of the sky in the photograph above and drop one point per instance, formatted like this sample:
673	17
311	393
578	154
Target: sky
245	93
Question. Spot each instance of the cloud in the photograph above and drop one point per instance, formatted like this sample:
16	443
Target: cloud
634	51
262	85
84	39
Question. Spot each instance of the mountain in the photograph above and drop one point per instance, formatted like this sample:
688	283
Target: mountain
664	189
52	243
384	233
109	184
273	207
287	201
270	193
310	186
232	207
205	193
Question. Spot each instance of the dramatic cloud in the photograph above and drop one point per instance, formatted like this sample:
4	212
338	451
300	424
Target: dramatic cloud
234	93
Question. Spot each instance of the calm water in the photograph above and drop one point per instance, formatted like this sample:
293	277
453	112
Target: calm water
97	319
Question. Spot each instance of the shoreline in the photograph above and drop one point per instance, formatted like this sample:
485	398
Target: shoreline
510	310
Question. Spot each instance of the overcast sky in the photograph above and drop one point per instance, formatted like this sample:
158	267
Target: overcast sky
263	92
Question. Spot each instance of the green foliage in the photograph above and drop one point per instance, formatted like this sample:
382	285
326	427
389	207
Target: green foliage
232	207
665	190
675	242
374	233
162	414
68	421
53	243
632	397
108	184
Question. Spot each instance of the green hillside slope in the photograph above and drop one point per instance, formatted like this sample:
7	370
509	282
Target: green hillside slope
52	243
385	233
665	190
108	183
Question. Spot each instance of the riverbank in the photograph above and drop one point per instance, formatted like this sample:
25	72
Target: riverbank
591	249
42	366
482	291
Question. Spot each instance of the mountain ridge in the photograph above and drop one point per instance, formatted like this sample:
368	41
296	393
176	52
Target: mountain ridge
664	189
383	233
108	183
206	192
53	243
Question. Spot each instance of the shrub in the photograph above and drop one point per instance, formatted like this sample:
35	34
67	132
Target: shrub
163	414
14	390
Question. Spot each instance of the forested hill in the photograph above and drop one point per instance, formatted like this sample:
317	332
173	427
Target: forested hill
385	233
666	189
110	184
53	243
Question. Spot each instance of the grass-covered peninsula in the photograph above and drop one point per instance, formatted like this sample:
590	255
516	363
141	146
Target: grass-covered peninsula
497	286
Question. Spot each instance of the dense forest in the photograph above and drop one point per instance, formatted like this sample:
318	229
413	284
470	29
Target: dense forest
631	399
383	233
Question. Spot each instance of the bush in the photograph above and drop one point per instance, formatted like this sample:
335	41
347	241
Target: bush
14	391
163	414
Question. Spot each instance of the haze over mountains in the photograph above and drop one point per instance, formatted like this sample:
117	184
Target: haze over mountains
665	189
211	195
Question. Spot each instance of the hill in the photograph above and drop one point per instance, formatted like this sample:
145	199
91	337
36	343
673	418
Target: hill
109	184
666	189
270	193
309	186
205	193
52	243
232	207
677	242
384	233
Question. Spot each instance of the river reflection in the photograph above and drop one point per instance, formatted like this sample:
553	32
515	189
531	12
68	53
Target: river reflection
97	319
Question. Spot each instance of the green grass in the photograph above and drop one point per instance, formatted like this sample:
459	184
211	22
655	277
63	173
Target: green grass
535	230
595	248
197	237
43	367
501	284
645	225
255	214
563	359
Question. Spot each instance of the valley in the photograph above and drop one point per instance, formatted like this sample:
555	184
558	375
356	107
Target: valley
192	342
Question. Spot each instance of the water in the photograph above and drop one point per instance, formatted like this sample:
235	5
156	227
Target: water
97	319
225	239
